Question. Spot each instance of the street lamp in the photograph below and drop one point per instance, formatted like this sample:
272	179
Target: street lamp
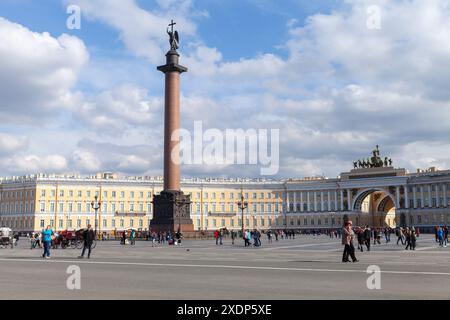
95	205
242	206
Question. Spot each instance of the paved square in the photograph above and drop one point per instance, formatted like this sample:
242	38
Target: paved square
306	267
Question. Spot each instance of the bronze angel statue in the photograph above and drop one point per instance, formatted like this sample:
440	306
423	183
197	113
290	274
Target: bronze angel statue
174	38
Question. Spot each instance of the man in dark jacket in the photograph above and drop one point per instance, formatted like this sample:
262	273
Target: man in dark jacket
367	235
88	239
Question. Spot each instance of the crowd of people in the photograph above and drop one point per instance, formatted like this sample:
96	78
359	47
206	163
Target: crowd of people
365	237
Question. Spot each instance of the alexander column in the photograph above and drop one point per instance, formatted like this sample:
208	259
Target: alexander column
171	208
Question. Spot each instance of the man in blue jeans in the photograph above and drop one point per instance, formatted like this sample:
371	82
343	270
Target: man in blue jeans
47	240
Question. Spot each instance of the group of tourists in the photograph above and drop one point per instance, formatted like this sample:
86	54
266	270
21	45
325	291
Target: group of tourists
441	234
407	236
47	236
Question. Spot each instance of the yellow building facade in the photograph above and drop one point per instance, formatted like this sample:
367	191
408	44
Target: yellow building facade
379	197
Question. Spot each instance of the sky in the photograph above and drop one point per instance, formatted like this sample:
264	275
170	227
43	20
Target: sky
335	78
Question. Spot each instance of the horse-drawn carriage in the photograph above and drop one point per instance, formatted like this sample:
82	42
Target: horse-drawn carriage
6	237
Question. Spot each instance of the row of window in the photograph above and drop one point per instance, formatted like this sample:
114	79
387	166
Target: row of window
89	194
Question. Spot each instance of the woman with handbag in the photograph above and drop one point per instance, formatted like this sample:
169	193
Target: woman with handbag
47	237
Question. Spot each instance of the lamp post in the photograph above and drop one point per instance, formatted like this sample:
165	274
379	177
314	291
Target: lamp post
242	206
95	205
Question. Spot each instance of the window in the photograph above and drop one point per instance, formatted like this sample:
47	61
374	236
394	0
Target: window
53	193
42	206
42	224
247	222
88	194
88	222
149	194
149	208
88	207
69	224
222	195
113	207
239	222
70	193
113	223
78	223
121	223
232	222
70	207
223	222
131	194
61	207
231	208
105	223
61	193
131	207
141	207
122	194
214	223
254	195
42	193
79	206
52	223
141	223
80	194
141	194
269	196
113	194
105	194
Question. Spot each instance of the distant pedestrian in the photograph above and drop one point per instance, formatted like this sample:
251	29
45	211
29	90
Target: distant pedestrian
367	234
347	241
216	236
47	236
88	239
408	239
233	236
400	235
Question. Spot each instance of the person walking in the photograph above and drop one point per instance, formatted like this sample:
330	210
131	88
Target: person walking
47	236
440	235
408	238
233	237
367	234
88	240
221	236
445	232
216	236
413	238
400	236
133	237
178	236
347	241
361	239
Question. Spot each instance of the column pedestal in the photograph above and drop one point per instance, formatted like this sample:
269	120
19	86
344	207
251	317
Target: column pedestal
173	212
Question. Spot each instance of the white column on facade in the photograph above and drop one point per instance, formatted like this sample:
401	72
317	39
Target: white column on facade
328	201
322	206
308	202
397	197
430	203
406	196
335	200
315	200
349	199
301	201
415	197
422	197
295	201
287	202
342	199
444	190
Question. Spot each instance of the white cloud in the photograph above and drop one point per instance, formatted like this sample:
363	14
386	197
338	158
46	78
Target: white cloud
37	72
142	31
